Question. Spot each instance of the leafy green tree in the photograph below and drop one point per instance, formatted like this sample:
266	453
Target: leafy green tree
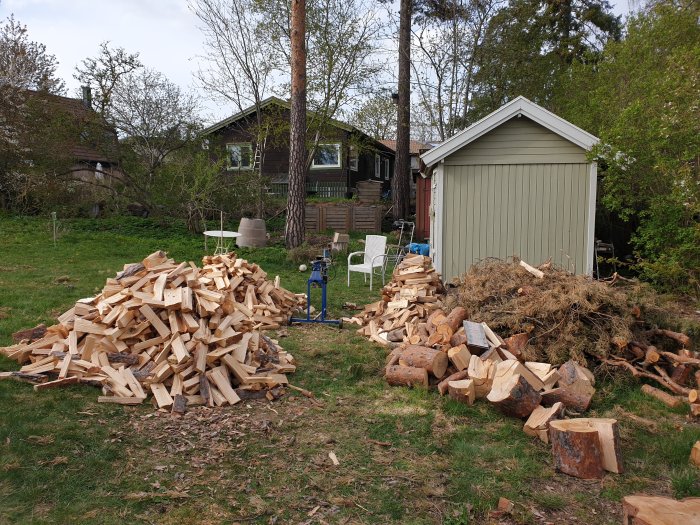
642	98
529	44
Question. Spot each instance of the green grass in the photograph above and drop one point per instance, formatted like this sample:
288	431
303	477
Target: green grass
66	459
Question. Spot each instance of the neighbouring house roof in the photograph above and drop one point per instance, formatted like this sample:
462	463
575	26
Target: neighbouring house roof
77	109
265	103
415	147
519	106
377	144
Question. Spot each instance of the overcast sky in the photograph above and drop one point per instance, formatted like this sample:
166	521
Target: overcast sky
163	31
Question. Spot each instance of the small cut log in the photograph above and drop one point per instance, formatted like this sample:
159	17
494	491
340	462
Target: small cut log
434	361
399	375
667	399
443	385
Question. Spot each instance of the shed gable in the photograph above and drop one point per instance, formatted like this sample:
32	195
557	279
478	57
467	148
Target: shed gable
518	141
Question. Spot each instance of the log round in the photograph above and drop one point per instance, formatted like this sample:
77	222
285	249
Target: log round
462	391
434	319
455	318
399	375
434	361
515	397
459	338
576	449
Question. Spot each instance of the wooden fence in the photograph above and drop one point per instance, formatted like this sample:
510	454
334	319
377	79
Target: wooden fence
316	189
344	218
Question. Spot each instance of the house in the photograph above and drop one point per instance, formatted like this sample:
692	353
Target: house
420	187
344	156
518	182
85	142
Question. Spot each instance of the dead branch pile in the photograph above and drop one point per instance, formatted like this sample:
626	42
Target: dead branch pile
566	316
573	317
189	335
402	313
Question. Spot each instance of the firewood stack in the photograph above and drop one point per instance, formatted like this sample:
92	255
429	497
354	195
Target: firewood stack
476	364
188	335
407	301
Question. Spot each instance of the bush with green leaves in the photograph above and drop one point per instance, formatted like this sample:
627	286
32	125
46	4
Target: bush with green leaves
642	98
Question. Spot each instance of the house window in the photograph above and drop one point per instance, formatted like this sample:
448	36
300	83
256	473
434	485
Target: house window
386	169
354	159
327	156
240	156
377	166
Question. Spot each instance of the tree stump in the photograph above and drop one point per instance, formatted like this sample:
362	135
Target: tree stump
399	375
434	361
585	447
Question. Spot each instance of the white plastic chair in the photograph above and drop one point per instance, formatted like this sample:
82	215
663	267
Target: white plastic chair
374	257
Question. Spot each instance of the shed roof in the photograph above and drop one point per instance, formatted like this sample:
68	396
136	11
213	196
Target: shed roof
519	106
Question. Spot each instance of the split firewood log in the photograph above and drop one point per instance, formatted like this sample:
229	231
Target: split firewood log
695	454
459	337
516	344
460	356
482	372
462	391
514	396
399	375
537	425
640	509
443	385
434	361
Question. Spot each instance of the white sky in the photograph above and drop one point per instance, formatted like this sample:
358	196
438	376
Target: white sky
163	31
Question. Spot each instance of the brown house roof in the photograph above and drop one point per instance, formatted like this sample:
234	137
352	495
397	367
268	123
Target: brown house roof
415	147
83	116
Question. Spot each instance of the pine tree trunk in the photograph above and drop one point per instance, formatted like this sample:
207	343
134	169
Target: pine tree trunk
400	187
294	229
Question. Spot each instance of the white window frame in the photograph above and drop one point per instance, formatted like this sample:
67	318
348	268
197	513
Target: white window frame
377	166
328	166
228	156
354	159
386	168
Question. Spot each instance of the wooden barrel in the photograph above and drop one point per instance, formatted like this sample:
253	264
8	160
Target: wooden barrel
253	233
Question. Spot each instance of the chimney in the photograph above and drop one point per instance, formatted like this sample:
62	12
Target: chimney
87	96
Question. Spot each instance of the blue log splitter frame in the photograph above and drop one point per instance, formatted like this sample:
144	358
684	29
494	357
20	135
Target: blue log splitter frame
318	278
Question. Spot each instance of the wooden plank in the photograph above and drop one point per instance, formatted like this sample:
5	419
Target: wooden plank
162	397
121	400
57	383
220	378
155	321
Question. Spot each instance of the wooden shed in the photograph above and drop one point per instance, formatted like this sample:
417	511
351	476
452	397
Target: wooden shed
517	182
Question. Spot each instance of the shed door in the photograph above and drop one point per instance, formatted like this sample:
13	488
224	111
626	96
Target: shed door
534	211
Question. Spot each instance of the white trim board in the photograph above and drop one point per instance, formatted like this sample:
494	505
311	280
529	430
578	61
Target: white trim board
590	238
516	107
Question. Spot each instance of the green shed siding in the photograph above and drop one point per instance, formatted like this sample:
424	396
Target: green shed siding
518	141
535	211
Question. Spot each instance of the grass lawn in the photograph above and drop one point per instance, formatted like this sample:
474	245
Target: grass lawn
406	456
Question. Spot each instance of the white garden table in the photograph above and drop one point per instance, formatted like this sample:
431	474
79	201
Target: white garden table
220	235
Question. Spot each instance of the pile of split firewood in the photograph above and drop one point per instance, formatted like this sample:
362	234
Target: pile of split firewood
188	335
470	362
406	303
